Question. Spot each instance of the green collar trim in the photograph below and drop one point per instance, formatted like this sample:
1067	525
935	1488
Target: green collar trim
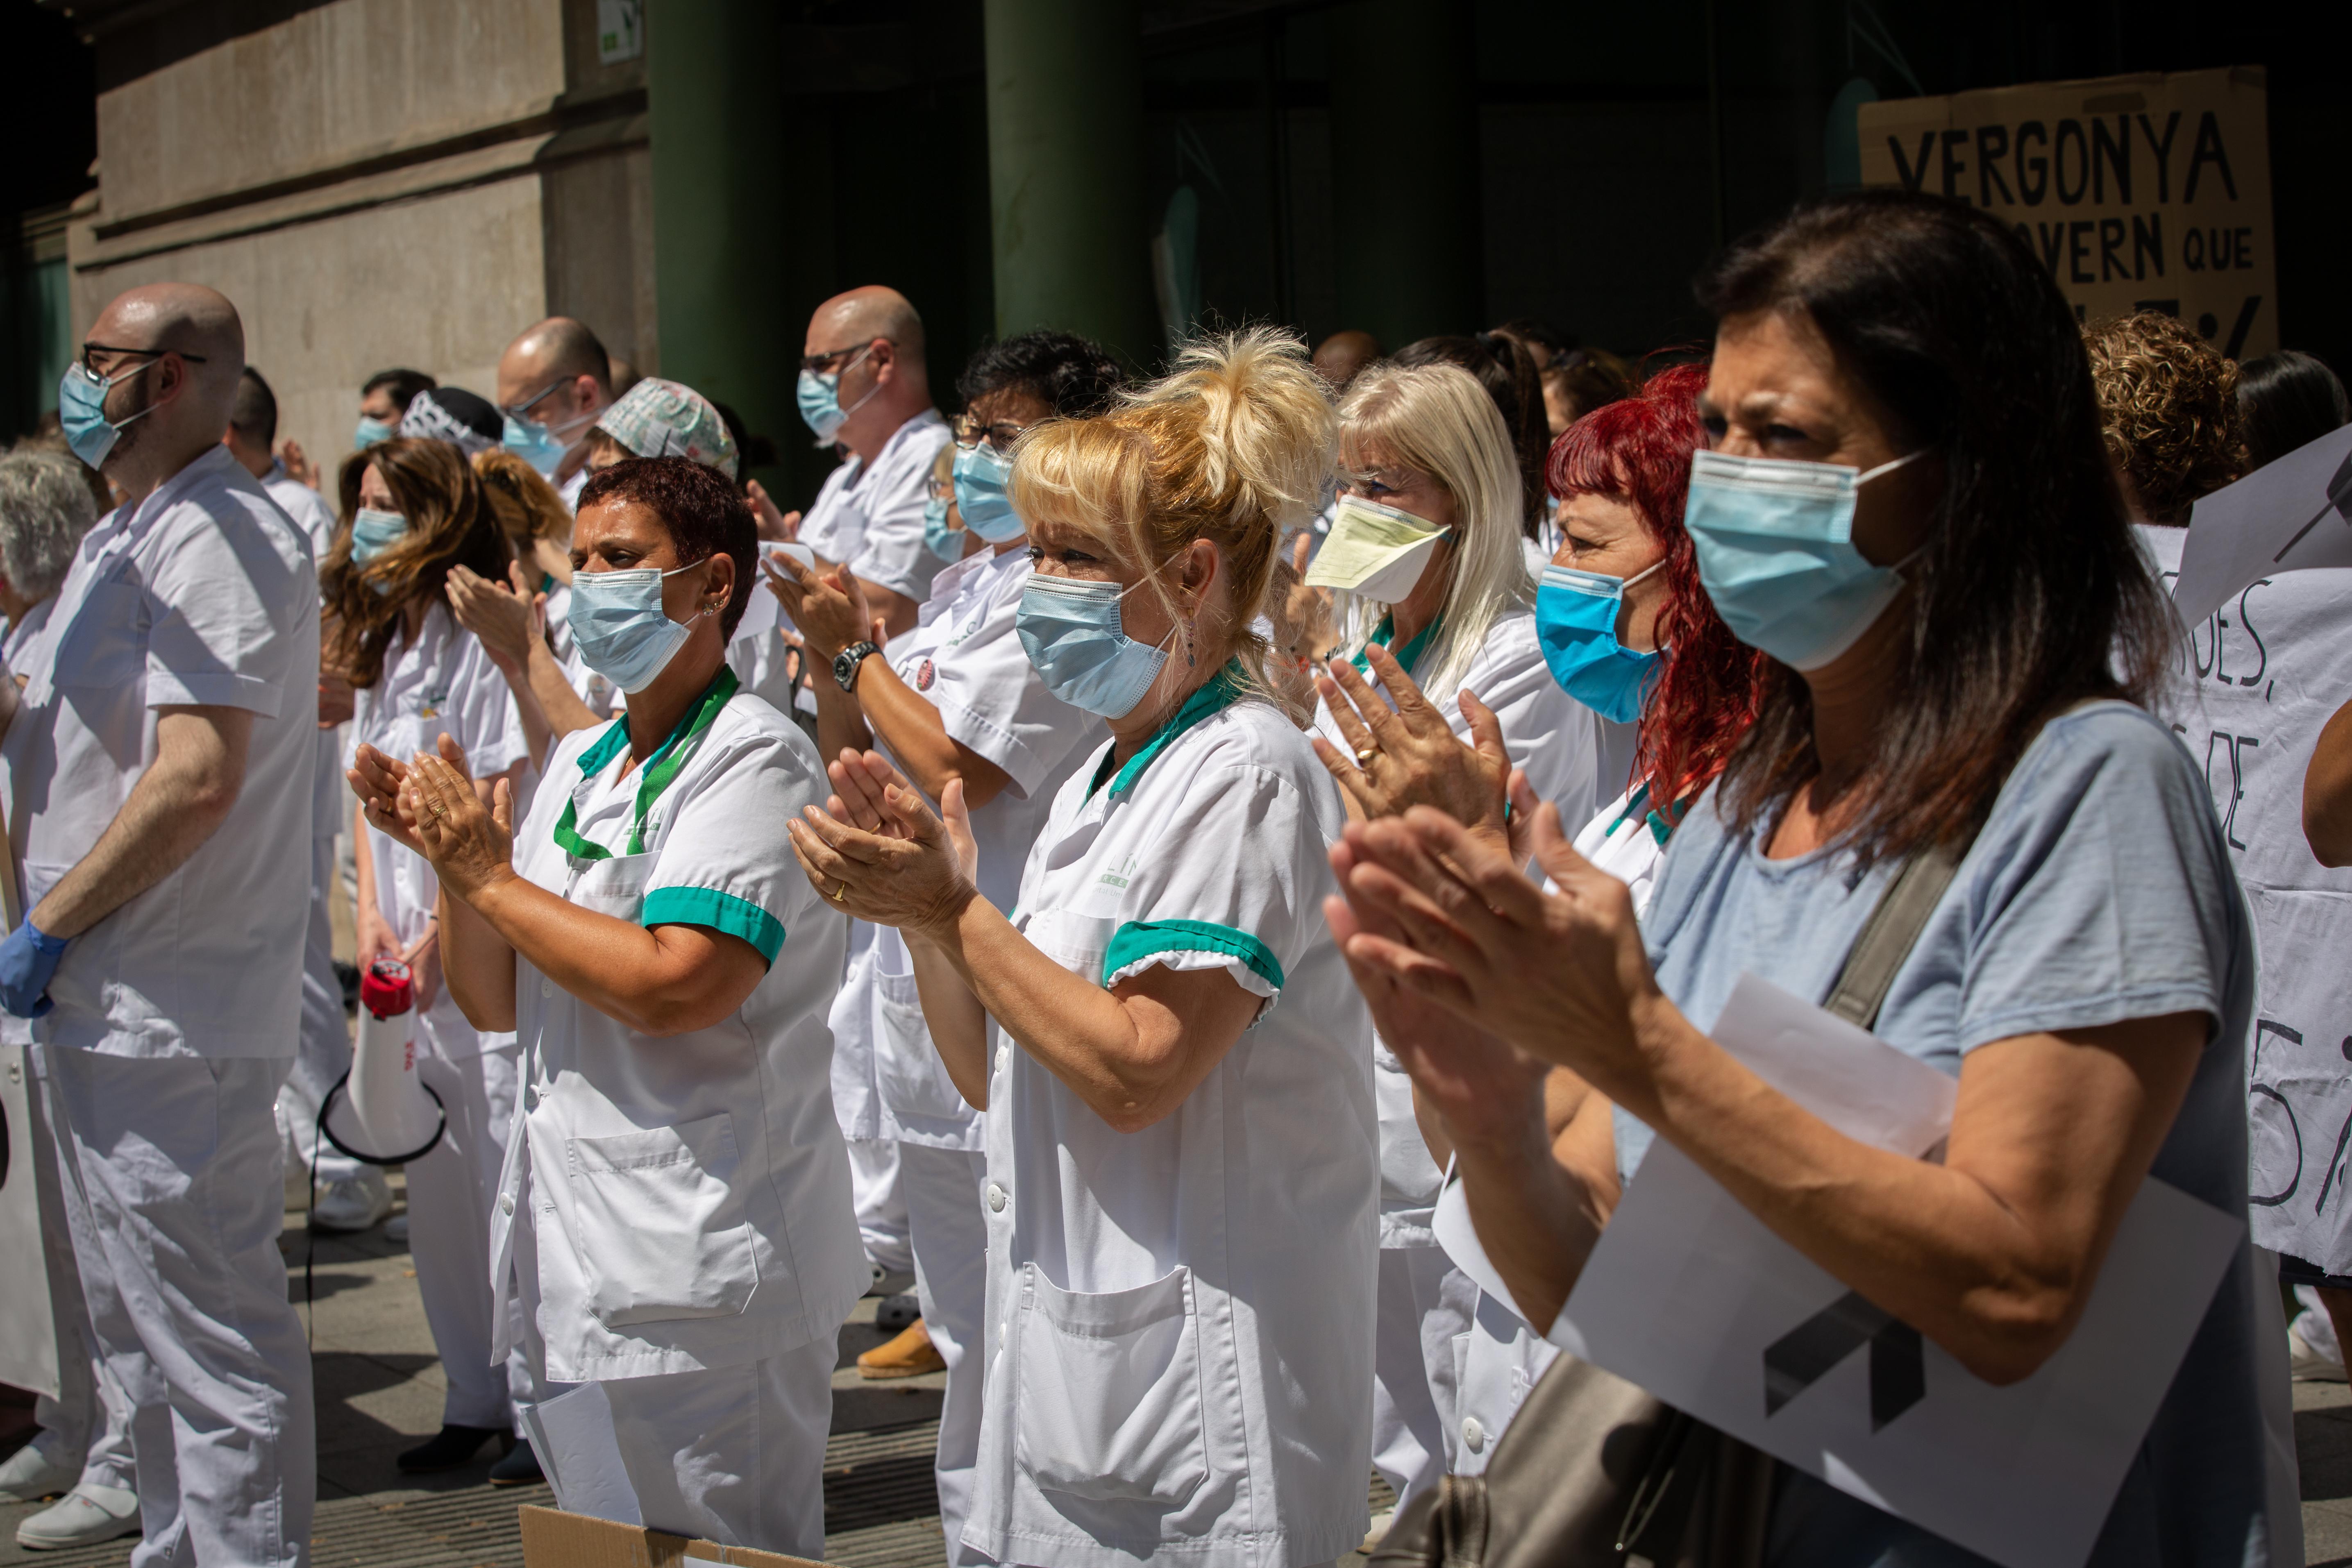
1219	693
660	770
1407	656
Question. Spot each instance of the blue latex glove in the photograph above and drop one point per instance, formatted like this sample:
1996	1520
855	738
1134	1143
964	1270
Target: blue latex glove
28	958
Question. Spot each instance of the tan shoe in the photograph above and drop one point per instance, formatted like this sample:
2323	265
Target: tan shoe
911	1354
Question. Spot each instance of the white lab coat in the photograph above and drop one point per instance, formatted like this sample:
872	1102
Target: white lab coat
870	518
1180	1318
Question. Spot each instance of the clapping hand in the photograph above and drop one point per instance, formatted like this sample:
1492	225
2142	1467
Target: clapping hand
911	868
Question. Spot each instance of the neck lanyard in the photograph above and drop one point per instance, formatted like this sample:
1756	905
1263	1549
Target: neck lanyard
659	771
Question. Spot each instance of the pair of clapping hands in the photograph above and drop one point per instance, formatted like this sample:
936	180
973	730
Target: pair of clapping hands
1443	928
879	851
429	804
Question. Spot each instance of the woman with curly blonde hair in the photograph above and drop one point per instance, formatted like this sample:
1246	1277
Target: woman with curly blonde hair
1176	1070
2168	412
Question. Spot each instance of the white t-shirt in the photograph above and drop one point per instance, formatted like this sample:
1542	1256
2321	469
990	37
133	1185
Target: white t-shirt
871	518
203	595
690	1194
443	684
1180	1319
305	506
965	657
1554	738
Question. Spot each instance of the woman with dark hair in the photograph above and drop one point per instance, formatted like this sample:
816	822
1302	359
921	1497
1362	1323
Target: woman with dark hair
1508	371
420	676
1905	504
2286	400
674	1225
955	699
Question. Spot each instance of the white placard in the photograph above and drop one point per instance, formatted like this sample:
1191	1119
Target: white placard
620	30
2283	517
1691	1297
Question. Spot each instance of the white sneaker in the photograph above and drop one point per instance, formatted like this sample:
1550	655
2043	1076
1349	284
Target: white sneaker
30	1475
2309	1365
87	1515
353	1204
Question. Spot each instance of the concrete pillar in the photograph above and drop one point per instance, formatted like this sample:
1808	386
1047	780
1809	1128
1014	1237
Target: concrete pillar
729	209
1404	145
1066	172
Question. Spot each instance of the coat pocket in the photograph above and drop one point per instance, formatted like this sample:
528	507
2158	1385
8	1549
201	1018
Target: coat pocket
1108	1405
659	1224
907	1071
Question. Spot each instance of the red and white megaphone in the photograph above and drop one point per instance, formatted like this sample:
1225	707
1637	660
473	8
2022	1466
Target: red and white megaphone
386	1116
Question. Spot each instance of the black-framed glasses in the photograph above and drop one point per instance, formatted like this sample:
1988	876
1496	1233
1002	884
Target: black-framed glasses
91	369
534	400
821	364
1000	434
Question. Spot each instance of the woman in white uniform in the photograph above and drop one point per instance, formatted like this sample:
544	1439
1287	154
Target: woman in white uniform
1426	547
674	1224
1627	628
420	676
956	698
1182	1160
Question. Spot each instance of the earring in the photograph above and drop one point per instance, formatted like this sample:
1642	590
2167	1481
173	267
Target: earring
1188	644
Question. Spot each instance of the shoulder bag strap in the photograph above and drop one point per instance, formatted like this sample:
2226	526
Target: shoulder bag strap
1890	933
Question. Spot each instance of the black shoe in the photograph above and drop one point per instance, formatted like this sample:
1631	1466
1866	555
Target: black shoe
348	977
893	1313
451	1448
518	1469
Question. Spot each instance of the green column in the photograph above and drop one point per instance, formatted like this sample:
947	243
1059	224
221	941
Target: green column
1066	172
731	276
1404	145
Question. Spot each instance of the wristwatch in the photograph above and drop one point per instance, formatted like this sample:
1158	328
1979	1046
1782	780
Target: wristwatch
846	663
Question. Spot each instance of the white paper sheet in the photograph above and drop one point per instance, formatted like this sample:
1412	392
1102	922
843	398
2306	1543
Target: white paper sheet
572	1436
2283	517
1687	1292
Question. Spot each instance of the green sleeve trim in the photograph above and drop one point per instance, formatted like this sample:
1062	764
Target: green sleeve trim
719	912
1145	938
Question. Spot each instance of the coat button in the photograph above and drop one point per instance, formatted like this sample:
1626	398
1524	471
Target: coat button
546	986
530	1097
995	1198
1473	1435
1004	1056
506	1203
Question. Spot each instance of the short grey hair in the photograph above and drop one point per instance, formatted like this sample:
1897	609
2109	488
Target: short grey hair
45	509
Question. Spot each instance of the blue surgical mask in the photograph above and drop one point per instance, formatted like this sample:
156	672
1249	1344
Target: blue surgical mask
619	627
369	432
1576	625
535	443
1074	639
1776	553
941	541
820	399
82	411
374	532
982	476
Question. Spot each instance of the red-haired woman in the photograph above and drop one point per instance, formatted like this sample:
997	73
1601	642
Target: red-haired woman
1627	629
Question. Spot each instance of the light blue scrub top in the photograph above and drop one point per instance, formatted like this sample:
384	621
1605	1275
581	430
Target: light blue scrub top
2100	890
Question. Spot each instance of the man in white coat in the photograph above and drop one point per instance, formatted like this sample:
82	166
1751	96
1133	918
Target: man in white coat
168	777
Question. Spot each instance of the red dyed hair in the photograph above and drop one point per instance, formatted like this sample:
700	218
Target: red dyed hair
1638	451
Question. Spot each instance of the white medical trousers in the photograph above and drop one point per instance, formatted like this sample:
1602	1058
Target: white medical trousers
950	1239
734	1454
323	1049
1424	1302
88	1425
175	1206
874	1193
450	1191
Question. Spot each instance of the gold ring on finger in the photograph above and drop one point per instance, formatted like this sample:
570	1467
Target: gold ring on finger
439	811
1364	755
840	893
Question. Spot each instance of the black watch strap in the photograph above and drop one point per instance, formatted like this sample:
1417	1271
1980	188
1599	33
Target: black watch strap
846	663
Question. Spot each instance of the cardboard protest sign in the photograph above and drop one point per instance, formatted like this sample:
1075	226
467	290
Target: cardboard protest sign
2146	192
2258	676
1693	1298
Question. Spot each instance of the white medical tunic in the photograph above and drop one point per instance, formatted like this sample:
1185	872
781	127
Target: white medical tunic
965	657
202	595
305	506
442	684
870	516
1555	739
329	800
1181	1319
689	1194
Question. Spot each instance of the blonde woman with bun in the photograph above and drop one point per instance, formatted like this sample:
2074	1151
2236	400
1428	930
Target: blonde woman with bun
1430	499
1175	1067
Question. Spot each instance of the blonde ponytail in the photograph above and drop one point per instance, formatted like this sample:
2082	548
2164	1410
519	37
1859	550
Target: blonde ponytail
1232	447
